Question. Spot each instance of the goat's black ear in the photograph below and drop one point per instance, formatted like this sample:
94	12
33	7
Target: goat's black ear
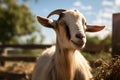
94	28
46	22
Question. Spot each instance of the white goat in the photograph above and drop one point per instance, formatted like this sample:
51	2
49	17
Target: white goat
64	61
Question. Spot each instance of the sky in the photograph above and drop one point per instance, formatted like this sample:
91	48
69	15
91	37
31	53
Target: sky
95	11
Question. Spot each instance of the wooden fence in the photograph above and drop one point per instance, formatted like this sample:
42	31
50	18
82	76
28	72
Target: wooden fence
17	58
3	59
31	46
16	76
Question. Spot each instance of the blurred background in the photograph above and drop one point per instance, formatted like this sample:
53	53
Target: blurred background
18	25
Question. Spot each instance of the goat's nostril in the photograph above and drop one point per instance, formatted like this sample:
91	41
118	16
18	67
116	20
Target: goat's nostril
79	36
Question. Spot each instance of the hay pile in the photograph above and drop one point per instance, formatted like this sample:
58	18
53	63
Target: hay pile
17	68
108	70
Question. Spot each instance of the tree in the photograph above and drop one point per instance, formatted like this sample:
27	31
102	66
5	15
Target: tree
15	21
107	40
93	40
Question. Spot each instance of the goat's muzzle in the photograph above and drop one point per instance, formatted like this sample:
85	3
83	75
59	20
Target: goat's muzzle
79	43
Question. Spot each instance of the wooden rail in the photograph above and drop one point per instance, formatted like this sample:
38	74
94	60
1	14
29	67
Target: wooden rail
13	76
18	58
28	46
4	75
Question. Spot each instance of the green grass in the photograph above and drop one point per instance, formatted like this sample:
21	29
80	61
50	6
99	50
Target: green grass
95	56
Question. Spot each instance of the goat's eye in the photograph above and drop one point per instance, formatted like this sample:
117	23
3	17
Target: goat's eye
85	23
61	22
85	26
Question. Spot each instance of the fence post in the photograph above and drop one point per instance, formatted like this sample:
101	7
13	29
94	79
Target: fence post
116	34
3	52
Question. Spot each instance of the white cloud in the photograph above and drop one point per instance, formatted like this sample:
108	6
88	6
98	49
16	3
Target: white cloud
90	13
83	7
86	7
113	4
107	3
105	14
117	2
104	17
102	20
77	3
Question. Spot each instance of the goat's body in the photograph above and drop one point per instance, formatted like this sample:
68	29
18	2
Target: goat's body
57	66
64	62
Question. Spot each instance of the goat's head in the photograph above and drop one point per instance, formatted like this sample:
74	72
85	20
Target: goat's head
70	27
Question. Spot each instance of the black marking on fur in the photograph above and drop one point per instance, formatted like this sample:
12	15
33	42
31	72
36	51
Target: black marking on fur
68	32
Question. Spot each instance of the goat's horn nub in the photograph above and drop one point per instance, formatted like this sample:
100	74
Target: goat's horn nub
58	11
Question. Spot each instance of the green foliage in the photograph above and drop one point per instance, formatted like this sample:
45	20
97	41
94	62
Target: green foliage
15	21
107	40
95	40
93	57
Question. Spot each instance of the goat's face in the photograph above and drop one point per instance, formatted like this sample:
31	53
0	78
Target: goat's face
72	25
70	28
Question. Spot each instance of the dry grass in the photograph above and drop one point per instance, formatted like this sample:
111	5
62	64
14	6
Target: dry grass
18	67
108	70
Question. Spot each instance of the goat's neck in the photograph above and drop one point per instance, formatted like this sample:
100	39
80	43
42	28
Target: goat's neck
65	63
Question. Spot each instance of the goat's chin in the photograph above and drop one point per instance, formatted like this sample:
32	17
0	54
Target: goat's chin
78	45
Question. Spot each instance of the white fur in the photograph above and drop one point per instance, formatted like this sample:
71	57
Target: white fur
64	61
45	65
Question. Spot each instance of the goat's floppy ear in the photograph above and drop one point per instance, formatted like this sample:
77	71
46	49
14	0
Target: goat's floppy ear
46	22
94	28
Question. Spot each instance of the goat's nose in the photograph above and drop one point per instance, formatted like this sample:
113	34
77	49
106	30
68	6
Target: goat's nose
79	35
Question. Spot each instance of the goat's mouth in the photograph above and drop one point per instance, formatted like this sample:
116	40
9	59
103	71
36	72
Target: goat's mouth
78	44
